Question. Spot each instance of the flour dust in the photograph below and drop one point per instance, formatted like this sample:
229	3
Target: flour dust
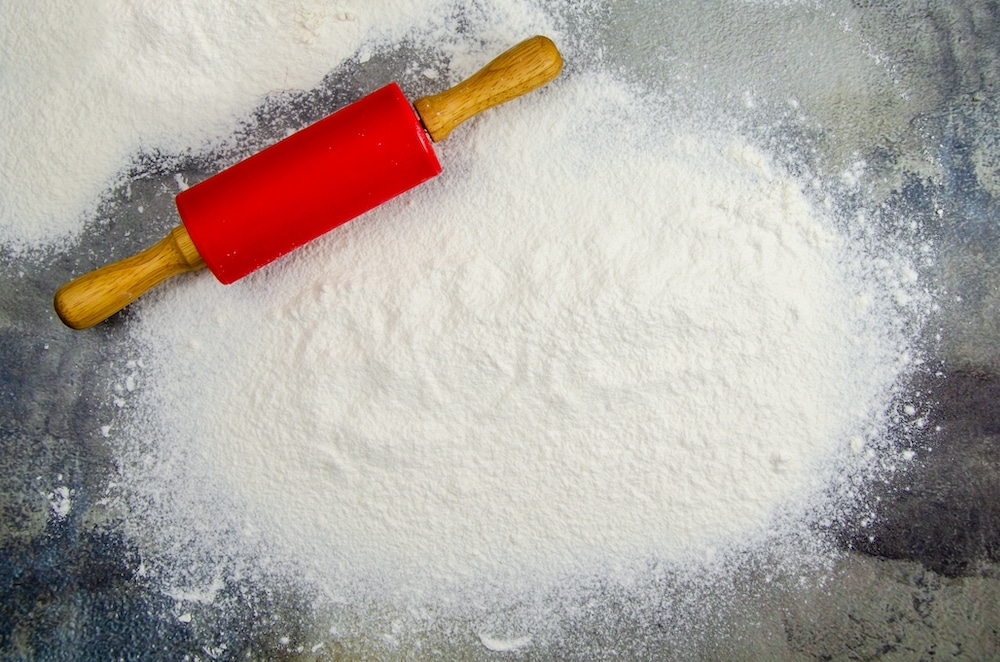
84	89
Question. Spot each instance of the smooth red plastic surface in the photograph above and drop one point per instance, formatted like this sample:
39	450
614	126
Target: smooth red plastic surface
307	184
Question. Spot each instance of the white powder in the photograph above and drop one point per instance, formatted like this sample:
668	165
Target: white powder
86	86
574	352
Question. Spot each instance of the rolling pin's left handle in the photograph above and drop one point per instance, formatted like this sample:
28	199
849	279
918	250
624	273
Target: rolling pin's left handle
96	296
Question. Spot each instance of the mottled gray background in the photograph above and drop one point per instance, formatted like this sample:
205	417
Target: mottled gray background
911	88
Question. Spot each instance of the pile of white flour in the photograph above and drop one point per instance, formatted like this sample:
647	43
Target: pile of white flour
574	351
601	339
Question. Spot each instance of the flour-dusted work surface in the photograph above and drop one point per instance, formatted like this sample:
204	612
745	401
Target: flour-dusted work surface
691	354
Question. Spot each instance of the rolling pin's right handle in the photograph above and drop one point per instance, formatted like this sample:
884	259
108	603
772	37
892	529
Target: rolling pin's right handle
96	296
519	70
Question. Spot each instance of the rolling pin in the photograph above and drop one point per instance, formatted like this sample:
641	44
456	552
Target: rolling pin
307	184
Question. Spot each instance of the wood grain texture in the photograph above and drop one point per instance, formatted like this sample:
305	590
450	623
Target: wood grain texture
95	296
521	69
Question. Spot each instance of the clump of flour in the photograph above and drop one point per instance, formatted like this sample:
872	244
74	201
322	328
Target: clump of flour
576	352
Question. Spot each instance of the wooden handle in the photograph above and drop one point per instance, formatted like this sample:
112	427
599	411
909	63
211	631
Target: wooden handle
525	67
96	296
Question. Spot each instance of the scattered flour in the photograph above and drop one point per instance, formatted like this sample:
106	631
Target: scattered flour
60	501
85	87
